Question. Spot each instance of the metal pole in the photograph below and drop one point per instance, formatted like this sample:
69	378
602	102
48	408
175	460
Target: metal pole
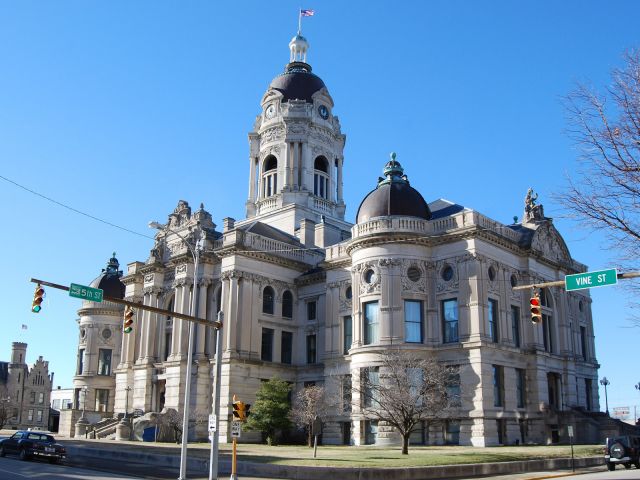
187	388
213	457
234	465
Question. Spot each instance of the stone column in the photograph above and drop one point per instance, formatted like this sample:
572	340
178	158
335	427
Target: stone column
339	179
202	313
252	178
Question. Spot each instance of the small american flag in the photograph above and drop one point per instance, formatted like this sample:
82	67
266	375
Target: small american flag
24	327
307	13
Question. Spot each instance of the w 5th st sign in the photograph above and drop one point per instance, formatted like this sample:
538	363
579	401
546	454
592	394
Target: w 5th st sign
591	279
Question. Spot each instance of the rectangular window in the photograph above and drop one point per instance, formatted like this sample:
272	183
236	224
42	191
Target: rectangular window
30	415
80	361
104	361
56	403
370	323
450	320
453	390
311	311
452	433
102	399
583	342
286	347
346	394
32	397
493	320
371	379
266	352
587	393
546	333
498	386
412	321
370	432
311	349
39	416
515	325
347	334
41	397
520	387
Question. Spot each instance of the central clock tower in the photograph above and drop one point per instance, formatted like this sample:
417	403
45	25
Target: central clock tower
296	152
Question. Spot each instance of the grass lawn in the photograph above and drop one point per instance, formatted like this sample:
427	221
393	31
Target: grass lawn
391	457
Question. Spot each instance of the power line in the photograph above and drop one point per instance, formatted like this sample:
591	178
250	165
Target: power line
75	210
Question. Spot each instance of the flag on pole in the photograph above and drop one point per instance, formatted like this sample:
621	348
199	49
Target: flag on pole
307	13
24	327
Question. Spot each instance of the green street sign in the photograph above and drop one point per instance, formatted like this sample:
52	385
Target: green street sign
86	293
600	278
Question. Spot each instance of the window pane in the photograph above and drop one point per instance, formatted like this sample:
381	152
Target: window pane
311	310
287	304
413	321
286	347
348	335
450	320
267	345
493	320
311	349
267	300
515	325
371	323
104	362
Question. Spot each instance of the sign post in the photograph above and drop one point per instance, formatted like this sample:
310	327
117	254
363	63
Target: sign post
600	278
316	429
570	432
236	431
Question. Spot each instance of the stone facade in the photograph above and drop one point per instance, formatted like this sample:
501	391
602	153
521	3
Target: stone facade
297	284
24	391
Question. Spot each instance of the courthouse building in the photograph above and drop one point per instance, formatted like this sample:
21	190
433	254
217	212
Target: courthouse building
308	296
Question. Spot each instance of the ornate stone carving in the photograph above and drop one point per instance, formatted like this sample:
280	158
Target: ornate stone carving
182	268
373	283
409	285
442	283
273	134
148	278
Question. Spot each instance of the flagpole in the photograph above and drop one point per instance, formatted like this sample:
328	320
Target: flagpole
299	21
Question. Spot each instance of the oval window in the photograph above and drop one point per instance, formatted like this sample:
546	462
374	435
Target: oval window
492	273
348	293
447	273
106	334
514	281
369	276
414	274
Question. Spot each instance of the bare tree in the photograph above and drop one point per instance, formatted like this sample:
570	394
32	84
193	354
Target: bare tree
308	404
605	192
406	388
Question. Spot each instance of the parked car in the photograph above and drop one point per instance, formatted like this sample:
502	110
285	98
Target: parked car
624	450
30	444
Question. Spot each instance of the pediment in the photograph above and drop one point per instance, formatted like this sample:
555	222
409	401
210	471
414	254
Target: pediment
548	241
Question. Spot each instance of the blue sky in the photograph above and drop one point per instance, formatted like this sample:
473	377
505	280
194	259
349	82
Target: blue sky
120	109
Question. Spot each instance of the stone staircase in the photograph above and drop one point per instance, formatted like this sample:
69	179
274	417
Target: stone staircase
105	428
607	426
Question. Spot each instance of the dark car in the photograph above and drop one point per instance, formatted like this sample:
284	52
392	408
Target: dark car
31	444
624	450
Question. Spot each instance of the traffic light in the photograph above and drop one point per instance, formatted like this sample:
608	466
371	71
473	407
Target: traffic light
38	296
536	308
128	320
240	410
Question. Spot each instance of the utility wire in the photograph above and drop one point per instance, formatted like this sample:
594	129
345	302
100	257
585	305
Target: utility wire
74	209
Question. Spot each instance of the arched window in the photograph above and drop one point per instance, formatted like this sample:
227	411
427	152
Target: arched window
270	176
321	177
287	304
267	300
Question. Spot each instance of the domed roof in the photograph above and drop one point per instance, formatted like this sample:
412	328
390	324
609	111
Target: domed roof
109	280
393	196
297	82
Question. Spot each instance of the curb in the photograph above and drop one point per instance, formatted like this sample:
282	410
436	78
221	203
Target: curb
200	465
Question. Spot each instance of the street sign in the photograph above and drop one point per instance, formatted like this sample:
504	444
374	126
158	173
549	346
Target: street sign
212	423
570	430
86	293
600	278
236	429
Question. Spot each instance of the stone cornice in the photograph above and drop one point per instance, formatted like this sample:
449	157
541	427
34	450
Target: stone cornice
311	279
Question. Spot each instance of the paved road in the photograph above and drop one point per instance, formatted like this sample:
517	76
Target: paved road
13	469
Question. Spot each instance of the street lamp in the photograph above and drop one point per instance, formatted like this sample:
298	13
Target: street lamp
84	401
126	400
195	253
605	382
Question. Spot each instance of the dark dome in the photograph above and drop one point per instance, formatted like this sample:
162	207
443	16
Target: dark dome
297	82
393	196
109	281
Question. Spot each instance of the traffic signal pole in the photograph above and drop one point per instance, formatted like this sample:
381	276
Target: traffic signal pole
140	306
562	283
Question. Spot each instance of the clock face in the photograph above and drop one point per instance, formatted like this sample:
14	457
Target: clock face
323	111
271	111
